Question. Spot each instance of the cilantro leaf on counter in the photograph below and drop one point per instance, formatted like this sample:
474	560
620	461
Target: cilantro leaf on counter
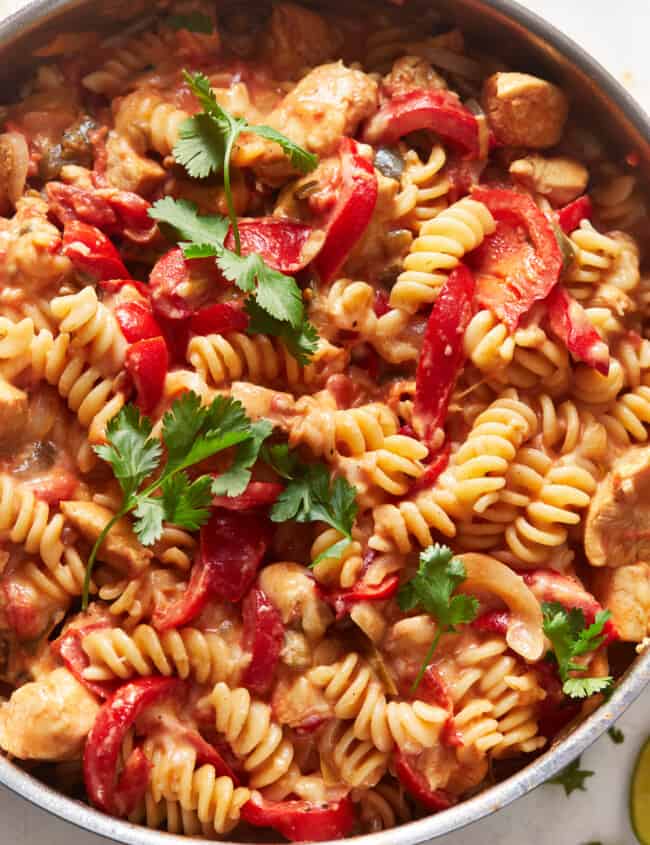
616	735
191	433
194	21
571	637
572	778
432	588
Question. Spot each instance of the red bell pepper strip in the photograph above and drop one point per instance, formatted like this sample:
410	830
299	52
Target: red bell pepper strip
438	111
105	739
258	494
570	216
343	600
357	197
109	209
492	622
434	469
132	212
231	549
570	323
416	784
263	638
548	585
301	821
147	362
281	243
442	352
116	285
169	274
207	754
75	659
219	319
521	262
92	252
137	321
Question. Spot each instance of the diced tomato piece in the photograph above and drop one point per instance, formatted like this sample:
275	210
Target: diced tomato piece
147	362
442	352
569	321
520	263
357	197
438	111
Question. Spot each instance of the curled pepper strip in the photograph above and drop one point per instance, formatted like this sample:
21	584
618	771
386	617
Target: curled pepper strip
112	795
136	320
92	252
147	362
283	244
263	638
357	197
417	785
442	352
572	326
301	821
75	659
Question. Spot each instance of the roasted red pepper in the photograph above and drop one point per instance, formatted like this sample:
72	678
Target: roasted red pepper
343	600
258	494
281	243
521	262
68	647
570	216
105	740
301	821
219	319
416	784
435	468
92	252
231	549
357	197
493	622
570	323
178	286
111	210
263	638
147	362
442	352
136	320
438	111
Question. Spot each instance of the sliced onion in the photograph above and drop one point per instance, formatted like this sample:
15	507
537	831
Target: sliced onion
483	129
448	60
14	163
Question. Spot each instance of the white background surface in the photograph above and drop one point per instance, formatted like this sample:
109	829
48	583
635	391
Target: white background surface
618	34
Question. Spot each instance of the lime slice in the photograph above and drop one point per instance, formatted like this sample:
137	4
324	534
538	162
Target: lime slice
640	796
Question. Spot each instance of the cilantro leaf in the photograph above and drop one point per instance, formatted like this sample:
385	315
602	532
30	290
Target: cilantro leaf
300	158
200	147
311	496
571	638
187	502
180	220
616	735
195	21
235	479
431	588
301	342
149	516
281	459
572	777
130	450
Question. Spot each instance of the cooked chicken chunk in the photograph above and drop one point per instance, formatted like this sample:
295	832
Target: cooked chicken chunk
617	529
626	592
293	592
297	38
14	410
409	73
120	548
559	179
331	101
525	111
48	719
128	170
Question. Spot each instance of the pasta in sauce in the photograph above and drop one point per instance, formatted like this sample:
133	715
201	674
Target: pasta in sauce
477	374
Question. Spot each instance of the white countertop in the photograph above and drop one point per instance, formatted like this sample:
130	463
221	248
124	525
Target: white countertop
617	34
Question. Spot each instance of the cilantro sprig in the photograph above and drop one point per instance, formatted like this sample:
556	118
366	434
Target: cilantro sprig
572	778
207	140
571	637
312	496
190	434
274	302
432	588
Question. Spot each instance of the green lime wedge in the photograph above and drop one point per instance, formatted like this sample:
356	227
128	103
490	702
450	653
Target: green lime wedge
640	795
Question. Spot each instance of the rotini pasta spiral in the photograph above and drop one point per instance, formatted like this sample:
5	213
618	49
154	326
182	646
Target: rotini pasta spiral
186	652
254	737
432	185
343	569
351	432
355	762
149	122
128	59
92	328
382	807
395	466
